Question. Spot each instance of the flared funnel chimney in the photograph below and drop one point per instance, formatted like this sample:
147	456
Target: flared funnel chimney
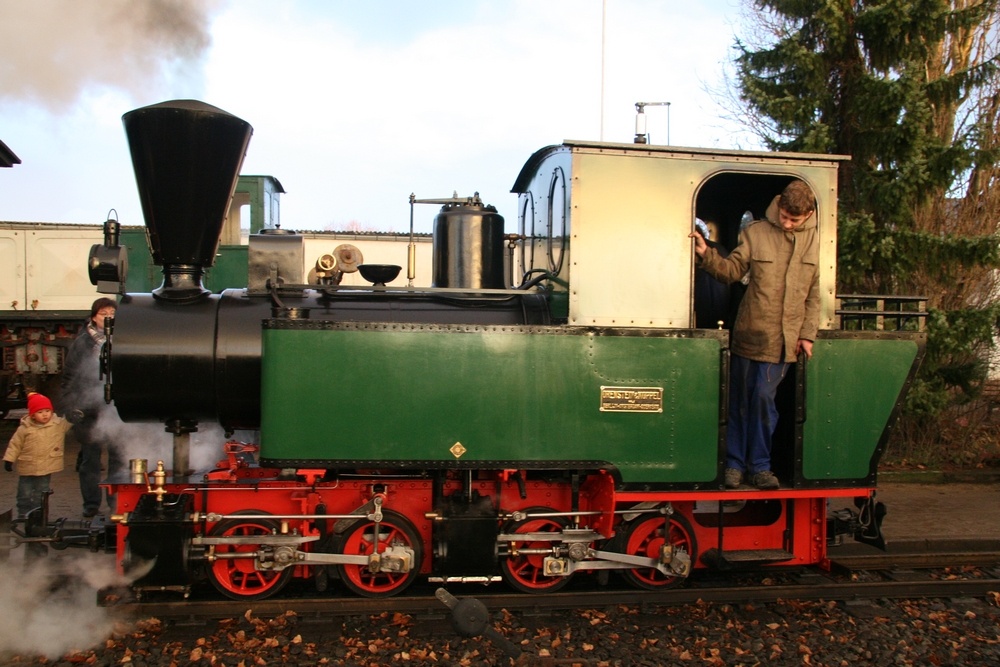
187	157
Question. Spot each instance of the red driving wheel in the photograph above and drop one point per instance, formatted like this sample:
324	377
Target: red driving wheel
525	571
395	530
239	578
646	535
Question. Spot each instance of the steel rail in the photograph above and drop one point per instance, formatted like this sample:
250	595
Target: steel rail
811	586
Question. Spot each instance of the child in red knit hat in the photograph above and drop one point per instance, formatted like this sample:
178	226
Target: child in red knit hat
38	447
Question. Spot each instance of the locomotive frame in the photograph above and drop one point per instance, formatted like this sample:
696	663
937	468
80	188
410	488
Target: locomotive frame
572	423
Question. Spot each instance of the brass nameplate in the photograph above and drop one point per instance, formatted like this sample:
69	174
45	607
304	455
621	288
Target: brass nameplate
631	399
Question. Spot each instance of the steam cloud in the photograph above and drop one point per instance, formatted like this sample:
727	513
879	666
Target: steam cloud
149	440
52	603
51	51
140	440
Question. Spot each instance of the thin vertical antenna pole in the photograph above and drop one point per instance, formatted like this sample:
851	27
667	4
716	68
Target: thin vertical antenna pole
604	20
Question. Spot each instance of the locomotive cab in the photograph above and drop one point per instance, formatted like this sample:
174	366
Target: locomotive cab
583	203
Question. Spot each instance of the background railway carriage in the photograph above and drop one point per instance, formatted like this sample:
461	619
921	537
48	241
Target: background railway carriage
474	430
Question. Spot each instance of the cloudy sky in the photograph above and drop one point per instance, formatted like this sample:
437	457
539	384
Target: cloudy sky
356	104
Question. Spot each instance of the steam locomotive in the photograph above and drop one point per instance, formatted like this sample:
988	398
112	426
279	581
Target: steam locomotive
569	421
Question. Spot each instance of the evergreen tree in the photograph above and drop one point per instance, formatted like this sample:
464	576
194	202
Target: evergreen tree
910	89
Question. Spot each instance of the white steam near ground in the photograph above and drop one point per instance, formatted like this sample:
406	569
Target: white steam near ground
52	602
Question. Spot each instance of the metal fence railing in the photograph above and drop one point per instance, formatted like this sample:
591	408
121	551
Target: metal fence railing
868	312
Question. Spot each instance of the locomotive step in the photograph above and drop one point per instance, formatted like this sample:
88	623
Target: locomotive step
725	560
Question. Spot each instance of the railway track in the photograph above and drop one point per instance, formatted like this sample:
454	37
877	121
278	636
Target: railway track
958	569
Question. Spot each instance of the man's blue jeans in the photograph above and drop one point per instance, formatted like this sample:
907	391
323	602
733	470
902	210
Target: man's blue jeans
753	414
89	467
